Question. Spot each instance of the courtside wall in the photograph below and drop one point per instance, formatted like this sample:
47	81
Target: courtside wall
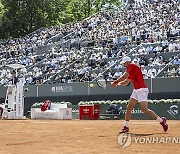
159	88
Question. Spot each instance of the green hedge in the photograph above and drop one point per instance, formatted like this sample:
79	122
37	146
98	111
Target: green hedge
126	101
39	104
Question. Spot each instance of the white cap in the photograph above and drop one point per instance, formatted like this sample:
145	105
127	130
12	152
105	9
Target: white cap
125	59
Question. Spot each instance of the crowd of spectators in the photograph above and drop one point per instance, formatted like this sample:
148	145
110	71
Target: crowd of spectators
143	30
26	45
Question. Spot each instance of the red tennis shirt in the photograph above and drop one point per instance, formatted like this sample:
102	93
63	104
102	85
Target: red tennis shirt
136	76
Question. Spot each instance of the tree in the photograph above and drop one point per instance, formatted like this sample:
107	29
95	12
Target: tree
99	4
21	17
75	10
1	10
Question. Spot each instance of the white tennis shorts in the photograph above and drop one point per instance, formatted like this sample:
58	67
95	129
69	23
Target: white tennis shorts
140	95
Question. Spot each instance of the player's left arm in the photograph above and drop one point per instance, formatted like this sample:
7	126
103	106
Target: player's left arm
126	82
121	79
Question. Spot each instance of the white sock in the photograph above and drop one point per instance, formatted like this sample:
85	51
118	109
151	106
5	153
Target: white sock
159	119
127	123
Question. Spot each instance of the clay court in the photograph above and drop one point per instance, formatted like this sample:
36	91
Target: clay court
85	136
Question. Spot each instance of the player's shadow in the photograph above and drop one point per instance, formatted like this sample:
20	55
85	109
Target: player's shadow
145	134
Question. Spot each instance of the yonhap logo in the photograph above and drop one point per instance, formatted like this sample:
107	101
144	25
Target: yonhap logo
124	140
173	110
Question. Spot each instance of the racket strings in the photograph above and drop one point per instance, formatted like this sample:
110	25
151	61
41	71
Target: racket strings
102	83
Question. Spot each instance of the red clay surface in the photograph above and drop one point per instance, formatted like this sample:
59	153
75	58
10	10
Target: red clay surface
75	136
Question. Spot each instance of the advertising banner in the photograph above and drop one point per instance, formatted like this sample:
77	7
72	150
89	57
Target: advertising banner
170	110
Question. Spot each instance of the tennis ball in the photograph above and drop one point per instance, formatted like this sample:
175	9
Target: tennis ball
91	85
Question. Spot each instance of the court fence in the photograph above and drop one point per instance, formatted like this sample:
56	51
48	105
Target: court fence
115	110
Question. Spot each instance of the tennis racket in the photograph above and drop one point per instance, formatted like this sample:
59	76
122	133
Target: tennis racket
102	83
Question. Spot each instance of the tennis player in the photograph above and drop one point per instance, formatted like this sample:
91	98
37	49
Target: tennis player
140	93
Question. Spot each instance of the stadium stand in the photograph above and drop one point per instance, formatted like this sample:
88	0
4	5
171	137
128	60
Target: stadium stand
147	31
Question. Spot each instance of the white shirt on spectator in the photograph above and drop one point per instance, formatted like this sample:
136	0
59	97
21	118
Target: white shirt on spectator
117	66
150	74
178	45
4	72
35	69
111	63
149	49
9	75
4	81
93	57
171	47
176	61
117	74
53	62
29	80
144	71
63	58
22	80
81	70
158	49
